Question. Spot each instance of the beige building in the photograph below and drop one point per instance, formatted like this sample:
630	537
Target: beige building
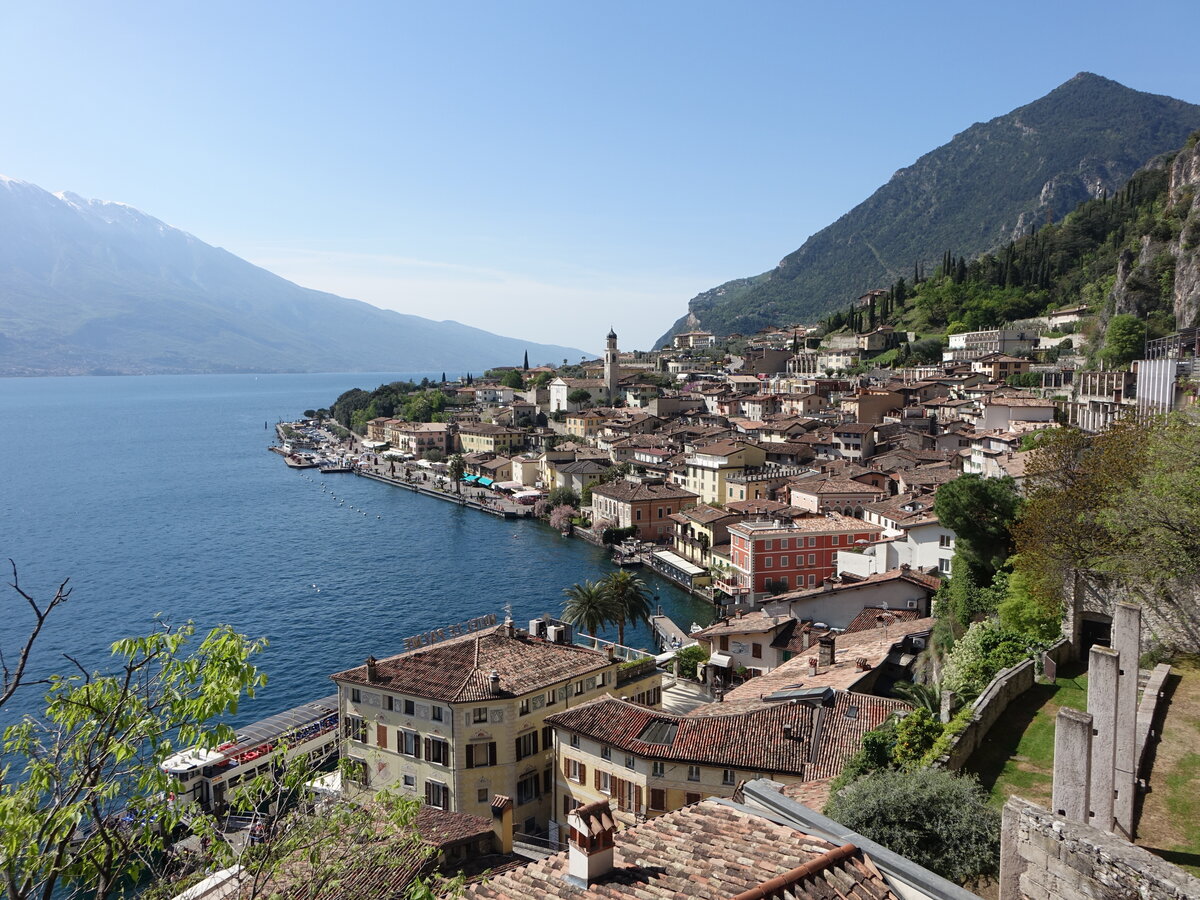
647	762
485	438
458	721
643	503
417	438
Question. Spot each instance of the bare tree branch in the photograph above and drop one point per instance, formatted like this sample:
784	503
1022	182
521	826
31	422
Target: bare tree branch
15	678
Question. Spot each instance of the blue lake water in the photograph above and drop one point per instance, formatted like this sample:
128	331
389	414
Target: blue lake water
156	495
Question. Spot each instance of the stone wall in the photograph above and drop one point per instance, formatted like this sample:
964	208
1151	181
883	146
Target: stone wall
1006	686
1169	612
1047	857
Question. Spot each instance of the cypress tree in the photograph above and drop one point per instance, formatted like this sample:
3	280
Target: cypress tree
525	365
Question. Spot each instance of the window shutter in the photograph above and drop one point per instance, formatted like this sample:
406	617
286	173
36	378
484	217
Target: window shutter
583	774
381	736
428	748
492	753
618	790
517	749
596	776
428	794
637	798
534	742
416	746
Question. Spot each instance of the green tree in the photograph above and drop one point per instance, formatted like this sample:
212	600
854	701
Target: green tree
98	746
589	606
915	734
512	378
938	820
980	512
629	600
458	468
562	496
1124	340
579	396
690	659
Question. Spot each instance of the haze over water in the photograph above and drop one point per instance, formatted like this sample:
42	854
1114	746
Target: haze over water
157	495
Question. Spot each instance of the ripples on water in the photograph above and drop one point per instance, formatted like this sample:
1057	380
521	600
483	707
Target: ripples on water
157	495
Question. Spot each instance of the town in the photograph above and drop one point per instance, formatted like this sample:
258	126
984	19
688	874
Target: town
795	485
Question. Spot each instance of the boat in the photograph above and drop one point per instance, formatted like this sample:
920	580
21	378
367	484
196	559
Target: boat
625	554
205	777
299	462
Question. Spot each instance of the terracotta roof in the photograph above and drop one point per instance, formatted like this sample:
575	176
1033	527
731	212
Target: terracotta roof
869	619
746	737
703	514
756	622
443	828
633	491
848	649
459	669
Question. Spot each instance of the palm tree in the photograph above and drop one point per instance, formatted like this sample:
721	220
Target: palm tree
588	607
922	696
458	466
630	601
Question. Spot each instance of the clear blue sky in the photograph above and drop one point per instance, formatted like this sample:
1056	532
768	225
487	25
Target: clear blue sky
539	169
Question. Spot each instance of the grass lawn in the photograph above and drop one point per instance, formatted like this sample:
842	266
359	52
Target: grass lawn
1169	825
1017	757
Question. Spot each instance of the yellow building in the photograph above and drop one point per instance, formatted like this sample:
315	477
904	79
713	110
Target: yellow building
646	762
486	438
710	465
460	720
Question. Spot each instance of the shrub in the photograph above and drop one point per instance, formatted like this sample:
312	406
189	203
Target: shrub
915	735
938	820
690	659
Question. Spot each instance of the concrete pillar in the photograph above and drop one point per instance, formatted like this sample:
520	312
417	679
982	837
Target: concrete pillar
1127	641
1103	676
1072	764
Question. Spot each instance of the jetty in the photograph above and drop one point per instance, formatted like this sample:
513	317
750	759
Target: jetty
667	634
496	507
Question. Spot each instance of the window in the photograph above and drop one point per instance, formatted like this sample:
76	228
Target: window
437	794
603	782
479	714
576	771
768	545
437	751
410	781
727	777
630	762
768	562
812	542
606	752
381	737
756	651
547	737
569	803
481	754
836	540
812	559
574	740
944	565
693	773
724	642
812	580
637	514
481	795
410	708
529	788
356	729
658	769
355	695
946	541
578	688
389	702
436	714
602	679
551	697
691	798
527	745
524	708
408	743
658	799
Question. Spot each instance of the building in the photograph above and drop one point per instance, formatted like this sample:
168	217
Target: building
694	340
840	495
645	504
774	557
646	763
418	438
612	367
999	366
585	424
970	345
482	437
710	465
460	720
839	602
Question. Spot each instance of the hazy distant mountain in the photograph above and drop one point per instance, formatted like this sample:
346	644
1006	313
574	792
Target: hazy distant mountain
88	286
988	185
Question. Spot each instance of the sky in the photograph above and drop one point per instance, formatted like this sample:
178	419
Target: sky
539	169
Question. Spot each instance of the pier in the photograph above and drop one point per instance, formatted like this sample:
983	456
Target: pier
668	635
496	507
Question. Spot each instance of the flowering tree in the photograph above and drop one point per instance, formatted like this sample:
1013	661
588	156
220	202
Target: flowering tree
561	516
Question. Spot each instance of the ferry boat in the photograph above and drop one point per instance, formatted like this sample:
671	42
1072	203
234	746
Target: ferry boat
205	777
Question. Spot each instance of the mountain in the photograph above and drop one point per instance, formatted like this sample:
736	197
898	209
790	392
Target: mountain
987	186
93	287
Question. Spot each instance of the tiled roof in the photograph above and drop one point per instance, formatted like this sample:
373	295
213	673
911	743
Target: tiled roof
703	514
459	669
869	619
633	491
443	828
756	622
848	649
823	737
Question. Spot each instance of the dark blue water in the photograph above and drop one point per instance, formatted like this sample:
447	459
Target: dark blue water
156	495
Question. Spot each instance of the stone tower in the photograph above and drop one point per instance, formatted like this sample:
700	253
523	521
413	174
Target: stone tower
612	367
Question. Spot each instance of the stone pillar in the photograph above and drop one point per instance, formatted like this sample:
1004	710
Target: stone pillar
1127	641
1103	677
1072	762
947	708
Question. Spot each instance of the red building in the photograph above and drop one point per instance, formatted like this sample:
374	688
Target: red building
771	557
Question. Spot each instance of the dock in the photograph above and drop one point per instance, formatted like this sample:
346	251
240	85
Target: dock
667	634
496	508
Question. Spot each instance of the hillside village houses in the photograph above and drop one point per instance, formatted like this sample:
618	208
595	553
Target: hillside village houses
796	495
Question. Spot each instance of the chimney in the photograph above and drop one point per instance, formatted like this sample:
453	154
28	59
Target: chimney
372	671
812	666
825	650
502	823
590	846
494	682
